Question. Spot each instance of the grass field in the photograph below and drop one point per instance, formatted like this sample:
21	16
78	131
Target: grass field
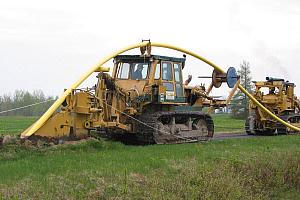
252	168
225	124
15	124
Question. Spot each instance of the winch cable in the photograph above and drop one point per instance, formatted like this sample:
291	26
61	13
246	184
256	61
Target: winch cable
98	67
27	106
20	108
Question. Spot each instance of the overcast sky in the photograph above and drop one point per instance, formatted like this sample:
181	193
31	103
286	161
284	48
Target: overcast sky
48	44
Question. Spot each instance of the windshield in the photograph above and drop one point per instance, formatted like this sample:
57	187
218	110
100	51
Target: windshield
136	71
139	71
269	90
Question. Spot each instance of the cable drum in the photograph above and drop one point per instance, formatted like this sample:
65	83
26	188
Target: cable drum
231	77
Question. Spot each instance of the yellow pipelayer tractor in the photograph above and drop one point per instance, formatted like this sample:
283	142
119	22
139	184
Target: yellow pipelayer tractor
278	96
145	100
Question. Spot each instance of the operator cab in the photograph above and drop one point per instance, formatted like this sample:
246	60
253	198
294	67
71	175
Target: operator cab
135	72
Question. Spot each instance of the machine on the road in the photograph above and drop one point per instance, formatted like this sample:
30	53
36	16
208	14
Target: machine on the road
278	96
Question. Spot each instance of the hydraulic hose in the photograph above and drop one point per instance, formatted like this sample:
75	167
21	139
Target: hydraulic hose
39	123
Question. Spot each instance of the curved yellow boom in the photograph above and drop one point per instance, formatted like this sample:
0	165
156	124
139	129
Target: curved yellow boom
98	66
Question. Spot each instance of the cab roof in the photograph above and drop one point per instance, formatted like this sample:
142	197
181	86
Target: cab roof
139	58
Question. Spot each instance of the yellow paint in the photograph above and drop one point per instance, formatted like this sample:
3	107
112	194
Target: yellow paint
102	69
96	67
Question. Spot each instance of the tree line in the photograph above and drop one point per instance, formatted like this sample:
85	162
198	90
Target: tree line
21	98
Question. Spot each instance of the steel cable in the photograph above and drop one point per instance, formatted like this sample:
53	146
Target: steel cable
27	106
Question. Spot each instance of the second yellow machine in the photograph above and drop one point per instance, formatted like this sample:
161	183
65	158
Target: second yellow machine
278	96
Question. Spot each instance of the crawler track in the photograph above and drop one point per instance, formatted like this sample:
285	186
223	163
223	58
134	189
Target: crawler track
252	128
172	127
291	118
158	128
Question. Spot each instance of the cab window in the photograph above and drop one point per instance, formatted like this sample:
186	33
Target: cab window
157	72
177	72
169	86
123	72
139	71
167	71
178	79
179	90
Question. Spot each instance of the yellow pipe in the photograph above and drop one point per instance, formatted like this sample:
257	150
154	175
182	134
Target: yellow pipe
59	101
39	123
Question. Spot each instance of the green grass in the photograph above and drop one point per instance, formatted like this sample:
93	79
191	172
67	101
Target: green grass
256	168
15	124
252	168
225	124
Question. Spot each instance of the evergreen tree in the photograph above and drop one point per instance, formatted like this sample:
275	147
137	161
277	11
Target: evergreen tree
240	102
